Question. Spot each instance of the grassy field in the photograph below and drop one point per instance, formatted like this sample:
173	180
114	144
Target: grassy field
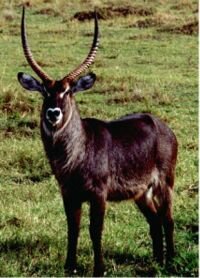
147	62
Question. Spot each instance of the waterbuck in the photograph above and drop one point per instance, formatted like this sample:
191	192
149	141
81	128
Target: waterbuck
96	161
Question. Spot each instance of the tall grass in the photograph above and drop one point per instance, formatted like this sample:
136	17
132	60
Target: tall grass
147	62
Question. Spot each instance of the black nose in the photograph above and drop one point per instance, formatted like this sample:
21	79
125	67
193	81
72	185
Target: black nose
53	114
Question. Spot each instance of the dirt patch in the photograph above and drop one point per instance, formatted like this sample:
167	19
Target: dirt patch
82	16
112	12
190	28
25	4
18	132
146	23
48	11
157	20
14	221
19	106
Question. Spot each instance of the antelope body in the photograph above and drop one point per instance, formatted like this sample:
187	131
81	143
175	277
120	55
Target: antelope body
133	157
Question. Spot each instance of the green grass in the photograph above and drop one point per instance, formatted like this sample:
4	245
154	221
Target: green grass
150	69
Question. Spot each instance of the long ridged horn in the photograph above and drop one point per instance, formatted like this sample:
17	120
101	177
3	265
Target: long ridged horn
91	55
27	52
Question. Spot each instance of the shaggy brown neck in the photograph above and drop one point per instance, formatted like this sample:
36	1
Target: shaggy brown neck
65	148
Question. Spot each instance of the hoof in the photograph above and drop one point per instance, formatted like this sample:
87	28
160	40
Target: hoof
70	269
99	272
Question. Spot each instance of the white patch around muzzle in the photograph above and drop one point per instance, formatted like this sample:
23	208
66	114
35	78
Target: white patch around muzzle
54	115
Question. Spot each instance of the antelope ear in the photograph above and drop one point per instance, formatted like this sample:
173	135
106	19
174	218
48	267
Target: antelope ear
29	83
84	83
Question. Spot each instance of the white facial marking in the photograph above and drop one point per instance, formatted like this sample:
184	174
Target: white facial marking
66	123
63	93
47	131
60	130
48	94
58	118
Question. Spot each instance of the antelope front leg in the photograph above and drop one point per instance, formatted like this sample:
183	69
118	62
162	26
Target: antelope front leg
73	212
97	211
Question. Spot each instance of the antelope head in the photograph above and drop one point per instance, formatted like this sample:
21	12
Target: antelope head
57	94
